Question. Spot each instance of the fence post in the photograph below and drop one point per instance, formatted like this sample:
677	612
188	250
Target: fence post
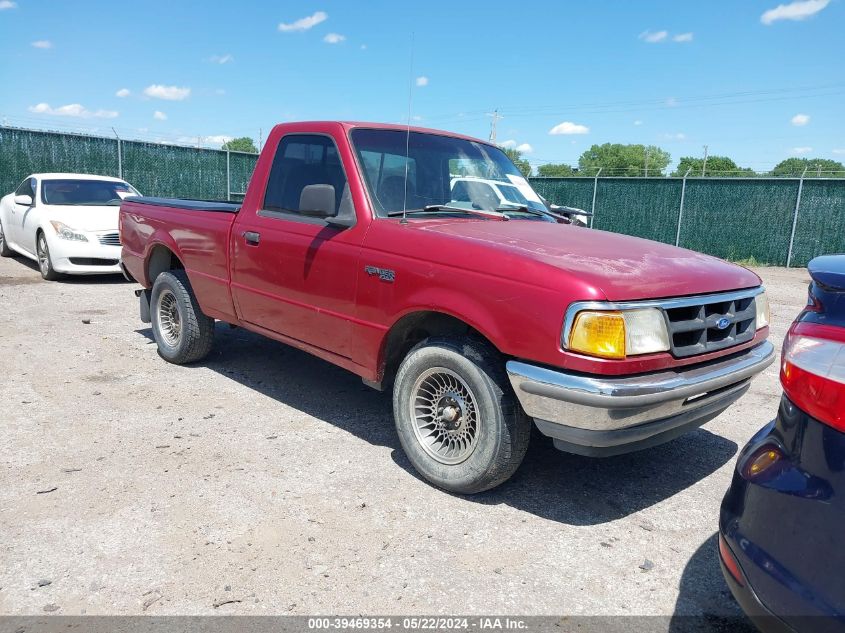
119	155
228	178
681	208
595	189
795	218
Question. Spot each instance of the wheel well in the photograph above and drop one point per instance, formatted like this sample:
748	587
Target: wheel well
161	260
415	327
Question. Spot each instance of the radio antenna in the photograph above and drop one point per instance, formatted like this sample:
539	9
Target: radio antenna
408	131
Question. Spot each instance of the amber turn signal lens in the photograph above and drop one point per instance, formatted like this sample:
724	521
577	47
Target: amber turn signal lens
760	461
599	334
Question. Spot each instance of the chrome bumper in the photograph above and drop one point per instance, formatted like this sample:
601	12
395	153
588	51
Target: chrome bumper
594	415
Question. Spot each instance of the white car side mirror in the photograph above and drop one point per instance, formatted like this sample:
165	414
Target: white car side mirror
24	200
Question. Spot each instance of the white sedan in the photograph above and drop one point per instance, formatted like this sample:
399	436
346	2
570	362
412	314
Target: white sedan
68	223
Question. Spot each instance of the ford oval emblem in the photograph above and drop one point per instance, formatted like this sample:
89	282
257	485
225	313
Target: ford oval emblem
723	324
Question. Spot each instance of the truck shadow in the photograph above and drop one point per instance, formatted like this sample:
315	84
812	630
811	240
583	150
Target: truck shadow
704	601
557	486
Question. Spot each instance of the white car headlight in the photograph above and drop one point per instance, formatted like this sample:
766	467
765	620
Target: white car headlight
763	315
67	233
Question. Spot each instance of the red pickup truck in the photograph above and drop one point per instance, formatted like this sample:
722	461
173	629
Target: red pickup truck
423	261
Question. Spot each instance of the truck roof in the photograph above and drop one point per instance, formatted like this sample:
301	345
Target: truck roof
349	125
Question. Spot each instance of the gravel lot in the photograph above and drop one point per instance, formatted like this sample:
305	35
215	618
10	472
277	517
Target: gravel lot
274	480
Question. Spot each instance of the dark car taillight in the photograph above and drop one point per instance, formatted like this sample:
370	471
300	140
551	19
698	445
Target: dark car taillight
730	561
813	371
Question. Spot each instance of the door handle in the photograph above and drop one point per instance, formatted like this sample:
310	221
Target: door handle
251	237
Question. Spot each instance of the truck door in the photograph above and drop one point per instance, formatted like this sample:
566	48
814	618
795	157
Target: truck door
293	274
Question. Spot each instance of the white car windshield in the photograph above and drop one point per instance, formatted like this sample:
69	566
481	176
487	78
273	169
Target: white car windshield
85	192
442	171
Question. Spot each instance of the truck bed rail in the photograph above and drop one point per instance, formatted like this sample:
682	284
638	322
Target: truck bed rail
213	206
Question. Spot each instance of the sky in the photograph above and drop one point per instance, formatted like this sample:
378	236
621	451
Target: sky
755	80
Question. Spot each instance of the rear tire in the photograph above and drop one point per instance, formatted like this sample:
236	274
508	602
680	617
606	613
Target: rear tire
457	417
182	332
45	263
5	251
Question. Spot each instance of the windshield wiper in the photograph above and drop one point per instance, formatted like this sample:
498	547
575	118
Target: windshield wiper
440	208
521	208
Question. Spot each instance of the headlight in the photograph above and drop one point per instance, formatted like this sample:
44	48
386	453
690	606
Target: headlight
67	233
763	315
617	334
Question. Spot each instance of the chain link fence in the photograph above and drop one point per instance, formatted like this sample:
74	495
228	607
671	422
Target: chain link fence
776	221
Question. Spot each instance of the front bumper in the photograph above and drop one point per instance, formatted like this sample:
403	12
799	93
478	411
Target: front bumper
601	416
83	258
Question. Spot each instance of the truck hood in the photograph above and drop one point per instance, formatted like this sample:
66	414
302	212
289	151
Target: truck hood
83	218
619	266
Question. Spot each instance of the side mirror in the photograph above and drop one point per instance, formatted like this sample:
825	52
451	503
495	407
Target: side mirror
24	200
317	201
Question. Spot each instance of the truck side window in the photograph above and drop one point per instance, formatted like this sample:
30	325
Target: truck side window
302	160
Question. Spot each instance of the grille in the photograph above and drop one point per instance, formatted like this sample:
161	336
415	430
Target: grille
109	239
92	261
694	328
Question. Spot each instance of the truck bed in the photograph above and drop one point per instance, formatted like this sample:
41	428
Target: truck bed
187	204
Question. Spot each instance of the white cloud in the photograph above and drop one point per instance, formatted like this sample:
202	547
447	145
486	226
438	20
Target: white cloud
652	37
220	91
73	110
682	37
802	150
838	151
218	139
7	4
303	24
42	44
422	81
678	136
799	10
568	127
671	102
221	59
334	38
123	92
638	122
169	93
158	115
510	143
800	119
363	47
524	148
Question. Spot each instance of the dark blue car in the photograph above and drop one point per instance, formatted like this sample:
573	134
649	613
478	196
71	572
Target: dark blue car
782	524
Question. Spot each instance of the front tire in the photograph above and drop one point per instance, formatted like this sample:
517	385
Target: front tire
457	417
45	263
181	331
5	251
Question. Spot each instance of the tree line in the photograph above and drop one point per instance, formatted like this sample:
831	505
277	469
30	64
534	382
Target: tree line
616	159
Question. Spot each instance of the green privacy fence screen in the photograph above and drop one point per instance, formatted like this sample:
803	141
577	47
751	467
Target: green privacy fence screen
733	218
775	221
154	168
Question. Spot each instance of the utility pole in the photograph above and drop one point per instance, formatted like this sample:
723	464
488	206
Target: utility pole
496	116
704	165
646	162
260	137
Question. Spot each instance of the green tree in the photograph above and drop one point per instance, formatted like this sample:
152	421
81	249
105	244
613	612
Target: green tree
242	144
616	159
814	166
522	164
556	170
717	166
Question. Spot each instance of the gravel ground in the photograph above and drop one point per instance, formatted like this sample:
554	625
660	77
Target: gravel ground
265	481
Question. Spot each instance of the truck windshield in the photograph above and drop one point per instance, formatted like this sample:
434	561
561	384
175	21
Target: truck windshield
95	193
441	171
